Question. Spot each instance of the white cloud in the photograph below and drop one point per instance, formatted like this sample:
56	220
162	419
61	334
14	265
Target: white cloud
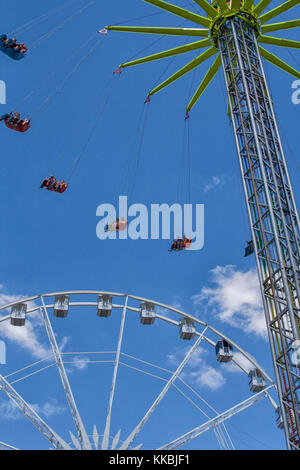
197	370
50	408
10	411
235	299
242	360
208	376
64	342
175	303
29	336
215	181
77	363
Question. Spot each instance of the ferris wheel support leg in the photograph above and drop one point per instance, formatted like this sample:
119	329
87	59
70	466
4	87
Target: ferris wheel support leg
82	434
29	412
215	421
170	382
105	439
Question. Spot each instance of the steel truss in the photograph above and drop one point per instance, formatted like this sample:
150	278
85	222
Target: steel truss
271	207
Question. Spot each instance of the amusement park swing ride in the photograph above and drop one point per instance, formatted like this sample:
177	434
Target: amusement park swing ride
233	33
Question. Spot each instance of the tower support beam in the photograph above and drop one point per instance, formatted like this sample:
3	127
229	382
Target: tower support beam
271	208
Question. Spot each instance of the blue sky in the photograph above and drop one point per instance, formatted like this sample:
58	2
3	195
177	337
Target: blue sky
49	242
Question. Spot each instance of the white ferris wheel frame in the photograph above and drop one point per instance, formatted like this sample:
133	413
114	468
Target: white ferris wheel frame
82	441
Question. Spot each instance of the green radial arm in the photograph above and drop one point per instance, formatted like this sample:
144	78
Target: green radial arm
169	53
211	11
187	68
279	42
262	5
205	82
278	62
277	11
203	33
180	12
248	4
223	5
268	28
235	4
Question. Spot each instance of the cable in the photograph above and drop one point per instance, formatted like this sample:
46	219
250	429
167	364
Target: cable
245	220
188	176
61	156
285	18
164	71
82	152
291	151
194	7
139	152
188	182
145	16
60	26
124	176
145	48
181	165
39	19
151	44
293	57
56	70
186	150
69	76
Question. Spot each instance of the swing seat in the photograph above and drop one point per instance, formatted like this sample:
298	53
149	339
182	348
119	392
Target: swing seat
12	52
181	246
117	226
249	250
19	127
188	243
60	189
176	247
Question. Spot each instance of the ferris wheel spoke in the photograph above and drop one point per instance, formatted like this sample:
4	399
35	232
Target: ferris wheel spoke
4	446
221	438
217	420
75	441
116	440
82	434
162	394
29	412
113	385
95	437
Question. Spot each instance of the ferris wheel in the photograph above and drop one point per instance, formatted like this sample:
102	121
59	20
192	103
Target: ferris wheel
172	410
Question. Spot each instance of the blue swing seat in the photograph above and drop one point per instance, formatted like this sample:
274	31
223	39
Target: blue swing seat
11	52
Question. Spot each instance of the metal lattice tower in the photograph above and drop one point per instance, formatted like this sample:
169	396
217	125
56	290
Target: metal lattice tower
234	31
271	207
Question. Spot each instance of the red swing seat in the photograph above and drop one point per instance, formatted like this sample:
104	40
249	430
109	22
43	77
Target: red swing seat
19	126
